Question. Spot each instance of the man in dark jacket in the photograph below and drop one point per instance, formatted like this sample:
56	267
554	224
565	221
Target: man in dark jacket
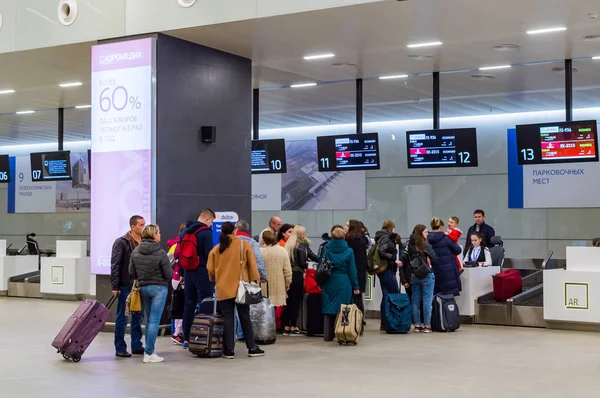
481	227
197	285
122	282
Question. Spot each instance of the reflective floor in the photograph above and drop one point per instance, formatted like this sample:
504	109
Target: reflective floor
477	361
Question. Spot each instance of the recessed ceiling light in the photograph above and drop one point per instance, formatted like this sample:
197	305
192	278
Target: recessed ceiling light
598	57
393	77
303	85
546	30
83	106
506	47
7	91
481	76
344	65
24	112
428	44
420	57
495	67
591	38
71	84
319	56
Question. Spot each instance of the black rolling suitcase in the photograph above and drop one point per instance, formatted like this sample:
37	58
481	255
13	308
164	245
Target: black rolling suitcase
314	317
445	316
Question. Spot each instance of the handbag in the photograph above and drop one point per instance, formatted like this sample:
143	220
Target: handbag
420	267
323	269
177	303
134	300
248	292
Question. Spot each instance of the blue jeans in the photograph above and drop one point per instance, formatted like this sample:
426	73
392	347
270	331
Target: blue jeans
422	289
197	287
238	328
154	298
121	324
389	285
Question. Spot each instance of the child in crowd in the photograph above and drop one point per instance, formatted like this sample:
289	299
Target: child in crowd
173	244
455	233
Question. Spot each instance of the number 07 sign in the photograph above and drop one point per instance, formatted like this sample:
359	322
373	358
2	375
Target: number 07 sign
122	132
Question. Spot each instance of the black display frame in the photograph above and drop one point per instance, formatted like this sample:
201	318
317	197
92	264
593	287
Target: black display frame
5	168
326	148
523	130
37	160
473	160
274	146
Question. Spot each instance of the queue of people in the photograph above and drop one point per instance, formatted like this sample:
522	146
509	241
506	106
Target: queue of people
279	258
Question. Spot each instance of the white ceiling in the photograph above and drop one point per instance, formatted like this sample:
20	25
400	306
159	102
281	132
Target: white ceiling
371	36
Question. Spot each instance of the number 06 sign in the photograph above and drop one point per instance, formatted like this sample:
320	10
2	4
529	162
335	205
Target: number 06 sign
122	131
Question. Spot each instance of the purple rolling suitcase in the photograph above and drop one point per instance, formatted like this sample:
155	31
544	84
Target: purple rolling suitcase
81	328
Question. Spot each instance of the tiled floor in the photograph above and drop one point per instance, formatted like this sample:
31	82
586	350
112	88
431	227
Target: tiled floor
477	361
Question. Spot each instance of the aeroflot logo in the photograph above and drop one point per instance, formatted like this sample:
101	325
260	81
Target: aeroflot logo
130	56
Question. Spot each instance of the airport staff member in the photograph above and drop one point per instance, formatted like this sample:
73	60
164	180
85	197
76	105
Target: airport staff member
480	226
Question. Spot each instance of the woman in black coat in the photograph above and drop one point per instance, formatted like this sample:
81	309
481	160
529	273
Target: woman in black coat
356	241
386	242
447	275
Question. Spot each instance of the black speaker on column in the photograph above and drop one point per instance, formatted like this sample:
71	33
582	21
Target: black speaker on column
208	133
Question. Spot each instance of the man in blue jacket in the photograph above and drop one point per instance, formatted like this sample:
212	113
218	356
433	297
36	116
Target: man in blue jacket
197	285
481	227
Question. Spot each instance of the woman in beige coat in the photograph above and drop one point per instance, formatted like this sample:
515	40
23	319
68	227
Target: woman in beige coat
279	269
231	259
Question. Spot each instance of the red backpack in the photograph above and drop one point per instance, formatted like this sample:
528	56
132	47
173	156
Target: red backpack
188	250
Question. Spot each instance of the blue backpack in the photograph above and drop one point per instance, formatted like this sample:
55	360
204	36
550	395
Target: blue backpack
398	313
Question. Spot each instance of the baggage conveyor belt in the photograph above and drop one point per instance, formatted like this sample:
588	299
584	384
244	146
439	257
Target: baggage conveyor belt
25	285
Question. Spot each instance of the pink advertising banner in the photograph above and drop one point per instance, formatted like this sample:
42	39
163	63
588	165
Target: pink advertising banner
121	143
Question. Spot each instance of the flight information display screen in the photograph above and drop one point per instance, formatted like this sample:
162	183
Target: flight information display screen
268	156
348	152
442	148
51	166
4	169
561	142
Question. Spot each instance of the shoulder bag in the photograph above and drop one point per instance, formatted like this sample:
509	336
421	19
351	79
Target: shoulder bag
420	266
248	292
134	300
323	269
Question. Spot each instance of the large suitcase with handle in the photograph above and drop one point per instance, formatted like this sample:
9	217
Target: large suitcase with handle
206	333
445	316
507	284
348	324
82	328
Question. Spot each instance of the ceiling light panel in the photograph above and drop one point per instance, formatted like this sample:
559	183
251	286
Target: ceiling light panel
303	85
546	30
495	67
426	44
70	84
393	77
7	91
318	56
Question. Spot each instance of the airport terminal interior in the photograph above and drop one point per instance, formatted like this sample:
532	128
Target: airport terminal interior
309	113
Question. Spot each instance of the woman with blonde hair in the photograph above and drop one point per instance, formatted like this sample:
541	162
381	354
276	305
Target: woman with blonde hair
151	267
298	248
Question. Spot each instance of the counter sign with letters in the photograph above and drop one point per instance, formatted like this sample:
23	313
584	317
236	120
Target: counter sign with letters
576	296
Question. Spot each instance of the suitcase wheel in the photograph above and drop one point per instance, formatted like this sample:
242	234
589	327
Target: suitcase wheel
354	343
76	357
339	342
65	356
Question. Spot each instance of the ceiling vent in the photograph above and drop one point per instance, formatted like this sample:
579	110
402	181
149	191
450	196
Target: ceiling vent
592	38
67	11
186	3
420	57
344	65
482	76
561	69
505	48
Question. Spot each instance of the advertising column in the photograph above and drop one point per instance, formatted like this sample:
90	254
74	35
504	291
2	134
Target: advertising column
122	136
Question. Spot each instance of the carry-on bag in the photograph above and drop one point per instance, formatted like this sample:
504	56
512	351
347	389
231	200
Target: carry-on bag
398	313
310	283
507	284
177	303
314	317
445	316
206	334
262	316
81	328
348	324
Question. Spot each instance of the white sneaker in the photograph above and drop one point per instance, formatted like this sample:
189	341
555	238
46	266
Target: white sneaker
154	358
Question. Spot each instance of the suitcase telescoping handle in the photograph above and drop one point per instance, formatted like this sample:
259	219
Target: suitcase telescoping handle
111	301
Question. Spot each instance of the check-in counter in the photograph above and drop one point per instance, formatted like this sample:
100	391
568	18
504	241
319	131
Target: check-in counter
572	295
475	282
14	265
66	276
